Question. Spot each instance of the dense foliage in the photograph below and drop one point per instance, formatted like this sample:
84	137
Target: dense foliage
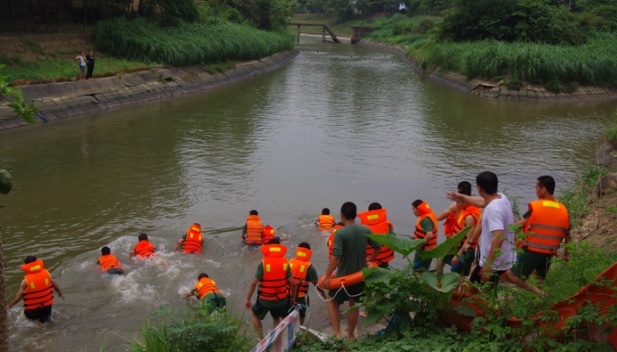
188	44
195	329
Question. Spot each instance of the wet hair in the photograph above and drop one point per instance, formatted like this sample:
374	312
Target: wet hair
464	187
274	240
29	259
105	250
304	245
416	203
374	206
349	210
142	237
547	182
253	212
202	275
325	211
487	181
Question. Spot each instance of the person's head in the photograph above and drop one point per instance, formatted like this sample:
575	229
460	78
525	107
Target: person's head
304	245
487	183
420	207
464	187
81	53
105	250
545	186
274	240
325	211
91	51
374	206
349	211
29	259
202	275
253	212
142	237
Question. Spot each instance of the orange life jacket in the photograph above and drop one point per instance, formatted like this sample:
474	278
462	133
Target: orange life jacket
331	240
299	269
425	211
268	233
204	287
546	227
39	289
326	222
254	230
377	221
450	224
273	284
144	249
193	240
108	261
460	221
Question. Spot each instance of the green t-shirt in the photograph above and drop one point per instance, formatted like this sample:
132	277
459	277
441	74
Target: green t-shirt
311	275
350	246
427	225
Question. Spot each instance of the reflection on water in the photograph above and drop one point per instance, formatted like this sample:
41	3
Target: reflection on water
338	123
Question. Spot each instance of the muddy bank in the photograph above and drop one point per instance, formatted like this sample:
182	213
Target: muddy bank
69	99
497	90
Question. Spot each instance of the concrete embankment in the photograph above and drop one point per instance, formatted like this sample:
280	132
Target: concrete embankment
498	90
69	99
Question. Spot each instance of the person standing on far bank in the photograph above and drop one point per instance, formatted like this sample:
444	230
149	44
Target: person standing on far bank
90	64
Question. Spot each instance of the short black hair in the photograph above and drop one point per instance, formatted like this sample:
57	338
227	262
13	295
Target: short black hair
105	250
416	203
325	211
29	259
464	187
487	180
202	275
142	237
547	182
349	210
253	212
274	240
304	245
374	206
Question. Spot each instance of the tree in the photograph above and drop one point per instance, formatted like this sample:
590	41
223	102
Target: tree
27	111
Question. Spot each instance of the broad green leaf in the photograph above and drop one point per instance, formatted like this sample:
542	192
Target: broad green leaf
397	244
449	246
448	283
6	182
373	316
376	275
465	310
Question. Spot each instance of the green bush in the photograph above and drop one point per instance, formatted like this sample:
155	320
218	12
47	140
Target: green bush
188	44
195	330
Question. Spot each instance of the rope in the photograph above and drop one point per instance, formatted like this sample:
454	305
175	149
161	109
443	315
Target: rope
336	293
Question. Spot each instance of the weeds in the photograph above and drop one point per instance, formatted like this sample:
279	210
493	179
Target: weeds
195	330
188	44
578	197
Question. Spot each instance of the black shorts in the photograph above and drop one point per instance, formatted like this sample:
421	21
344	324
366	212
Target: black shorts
41	314
492	282
355	291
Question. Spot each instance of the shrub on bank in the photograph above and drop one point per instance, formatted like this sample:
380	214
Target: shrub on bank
591	64
188	44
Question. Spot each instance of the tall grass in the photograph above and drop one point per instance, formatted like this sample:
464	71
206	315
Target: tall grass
594	63
196	330
188	44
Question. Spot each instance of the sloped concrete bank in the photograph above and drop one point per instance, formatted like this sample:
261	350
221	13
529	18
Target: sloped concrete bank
57	101
497	90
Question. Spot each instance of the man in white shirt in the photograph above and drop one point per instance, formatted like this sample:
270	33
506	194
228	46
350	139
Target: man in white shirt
497	245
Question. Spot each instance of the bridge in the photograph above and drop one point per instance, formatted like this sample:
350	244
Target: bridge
324	30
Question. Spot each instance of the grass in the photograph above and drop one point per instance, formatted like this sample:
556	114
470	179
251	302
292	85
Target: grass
62	69
188	44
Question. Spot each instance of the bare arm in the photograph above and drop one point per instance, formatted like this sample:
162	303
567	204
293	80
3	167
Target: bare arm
20	294
57	288
332	264
444	214
178	244
252	288
292	285
475	201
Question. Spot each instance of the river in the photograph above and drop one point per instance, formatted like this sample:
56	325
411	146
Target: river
339	123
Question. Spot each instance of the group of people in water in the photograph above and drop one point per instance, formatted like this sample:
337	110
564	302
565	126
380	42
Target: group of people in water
489	253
